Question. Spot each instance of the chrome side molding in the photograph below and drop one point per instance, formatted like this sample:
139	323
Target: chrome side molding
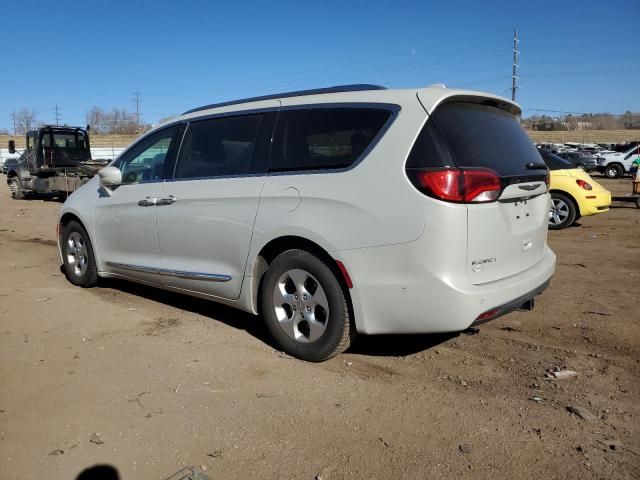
133	268
211	277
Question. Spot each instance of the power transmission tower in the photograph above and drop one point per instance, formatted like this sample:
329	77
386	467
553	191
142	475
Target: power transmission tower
57	114
514	74
137	103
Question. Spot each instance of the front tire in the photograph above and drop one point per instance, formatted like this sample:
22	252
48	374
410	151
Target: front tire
16	188
77	254
305	307
562	211
613	171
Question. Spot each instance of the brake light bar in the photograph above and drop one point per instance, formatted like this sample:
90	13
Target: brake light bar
474	185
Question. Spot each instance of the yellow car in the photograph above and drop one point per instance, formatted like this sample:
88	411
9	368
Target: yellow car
574	193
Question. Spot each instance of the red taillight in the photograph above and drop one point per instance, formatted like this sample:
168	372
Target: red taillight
583	184
481	186
442	184
463	186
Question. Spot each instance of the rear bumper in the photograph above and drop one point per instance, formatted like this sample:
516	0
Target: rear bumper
397	290
593	206
524	302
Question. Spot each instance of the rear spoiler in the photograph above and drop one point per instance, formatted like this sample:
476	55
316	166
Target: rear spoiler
431	98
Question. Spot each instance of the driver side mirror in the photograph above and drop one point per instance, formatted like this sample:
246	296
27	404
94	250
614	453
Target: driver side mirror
12	146
110	177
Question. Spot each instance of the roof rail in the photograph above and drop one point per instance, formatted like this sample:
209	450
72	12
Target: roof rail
300	93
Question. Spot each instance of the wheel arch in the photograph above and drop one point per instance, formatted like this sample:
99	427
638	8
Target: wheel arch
278	245
72	215
69	216
64	221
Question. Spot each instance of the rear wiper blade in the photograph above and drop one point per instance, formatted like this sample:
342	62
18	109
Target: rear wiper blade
535	166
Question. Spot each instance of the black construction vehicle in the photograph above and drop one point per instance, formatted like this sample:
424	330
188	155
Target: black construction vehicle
56	160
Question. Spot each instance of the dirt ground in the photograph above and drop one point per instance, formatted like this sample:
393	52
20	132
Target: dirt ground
149	382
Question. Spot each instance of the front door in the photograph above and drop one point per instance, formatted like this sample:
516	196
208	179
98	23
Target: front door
207	211
125	218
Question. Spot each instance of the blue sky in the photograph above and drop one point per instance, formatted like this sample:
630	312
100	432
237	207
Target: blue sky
576	56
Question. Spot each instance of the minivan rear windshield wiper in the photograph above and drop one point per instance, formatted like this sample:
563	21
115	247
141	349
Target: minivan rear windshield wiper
536	166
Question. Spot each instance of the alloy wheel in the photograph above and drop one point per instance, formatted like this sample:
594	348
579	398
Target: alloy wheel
77	257
558	212
301	306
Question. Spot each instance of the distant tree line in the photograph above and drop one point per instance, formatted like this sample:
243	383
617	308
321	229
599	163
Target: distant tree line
117	120
585	121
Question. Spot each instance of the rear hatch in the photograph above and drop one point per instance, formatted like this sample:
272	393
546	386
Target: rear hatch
507	224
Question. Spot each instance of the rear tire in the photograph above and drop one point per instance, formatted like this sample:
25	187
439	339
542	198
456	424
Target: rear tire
77	255
305	307
613	171
562	211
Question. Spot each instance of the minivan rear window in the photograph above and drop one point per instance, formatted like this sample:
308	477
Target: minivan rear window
324	138
481	135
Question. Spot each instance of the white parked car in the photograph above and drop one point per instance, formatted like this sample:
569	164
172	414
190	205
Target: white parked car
328	212
616	164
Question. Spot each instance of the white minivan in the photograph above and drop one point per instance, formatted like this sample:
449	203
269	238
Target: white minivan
328	212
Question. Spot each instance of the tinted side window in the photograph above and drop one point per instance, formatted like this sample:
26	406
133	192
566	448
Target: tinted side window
146	161
219	147
324	138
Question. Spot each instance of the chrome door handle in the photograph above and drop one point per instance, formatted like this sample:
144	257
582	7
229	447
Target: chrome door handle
166	200
148	202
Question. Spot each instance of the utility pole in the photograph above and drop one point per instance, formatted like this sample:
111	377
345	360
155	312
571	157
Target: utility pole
13	116
137	103
514	74
57	114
